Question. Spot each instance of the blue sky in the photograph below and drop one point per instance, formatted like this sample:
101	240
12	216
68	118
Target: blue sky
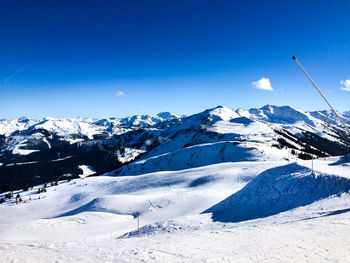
73	58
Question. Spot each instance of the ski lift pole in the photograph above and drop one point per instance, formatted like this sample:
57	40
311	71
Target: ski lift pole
323	96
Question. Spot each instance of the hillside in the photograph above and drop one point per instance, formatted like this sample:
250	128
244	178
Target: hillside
277	205
40	151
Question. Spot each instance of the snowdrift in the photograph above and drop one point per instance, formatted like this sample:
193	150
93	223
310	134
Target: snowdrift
277	190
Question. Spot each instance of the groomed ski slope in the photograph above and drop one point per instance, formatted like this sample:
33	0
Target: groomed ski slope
94	219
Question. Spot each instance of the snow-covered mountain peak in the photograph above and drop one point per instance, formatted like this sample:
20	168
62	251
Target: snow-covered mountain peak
281	110
166	116
281	114
147	120
223	112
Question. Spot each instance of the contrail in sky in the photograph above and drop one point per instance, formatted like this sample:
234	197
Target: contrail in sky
14	74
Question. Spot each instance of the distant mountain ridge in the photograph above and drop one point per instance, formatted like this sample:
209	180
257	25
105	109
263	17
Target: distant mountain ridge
268	113
76	125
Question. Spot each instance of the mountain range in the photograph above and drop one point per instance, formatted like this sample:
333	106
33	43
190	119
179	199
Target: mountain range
35	151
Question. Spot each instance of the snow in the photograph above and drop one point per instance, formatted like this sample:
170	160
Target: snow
25	136
72	141
147	120
166	116
19	132
329	117
65	127
8	127
87	170
18	150
283	114
277	190
193	156
95	218
224	113
47	142
215	190
13	164
158	188
243	126
128	154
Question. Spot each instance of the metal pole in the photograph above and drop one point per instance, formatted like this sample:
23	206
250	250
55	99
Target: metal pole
323	96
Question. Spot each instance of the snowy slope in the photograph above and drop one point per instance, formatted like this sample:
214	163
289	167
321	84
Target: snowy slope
193	156
156	196
277	190
96	218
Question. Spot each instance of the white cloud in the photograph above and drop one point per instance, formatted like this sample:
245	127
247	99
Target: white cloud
346	84
120	93
263	83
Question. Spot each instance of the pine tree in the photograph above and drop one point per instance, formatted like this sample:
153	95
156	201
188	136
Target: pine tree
9	195
18	198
